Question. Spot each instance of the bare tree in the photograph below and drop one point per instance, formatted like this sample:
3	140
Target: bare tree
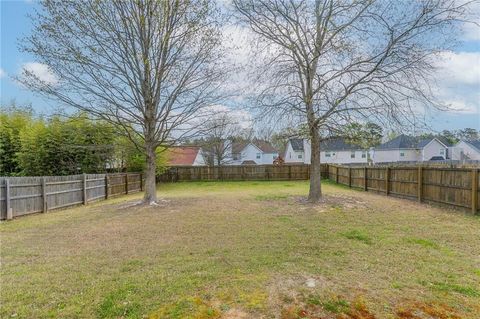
331	62
146	66
218	141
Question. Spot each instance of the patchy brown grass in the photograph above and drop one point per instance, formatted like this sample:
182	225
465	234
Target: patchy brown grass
243	250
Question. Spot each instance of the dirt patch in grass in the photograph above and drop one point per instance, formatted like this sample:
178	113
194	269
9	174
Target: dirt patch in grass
338	201
418	310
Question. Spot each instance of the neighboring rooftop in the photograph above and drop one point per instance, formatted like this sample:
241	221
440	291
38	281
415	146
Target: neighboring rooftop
475	144
400	142
182	155
405	141
264	146
297	144
338	144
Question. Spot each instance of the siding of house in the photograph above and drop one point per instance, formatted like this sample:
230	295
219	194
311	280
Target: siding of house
434	148
343	157
199	159
251	153
337	157
468	151
292	156
393	155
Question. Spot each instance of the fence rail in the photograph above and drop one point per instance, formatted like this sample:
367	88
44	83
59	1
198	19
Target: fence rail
238	173
454	187
27	195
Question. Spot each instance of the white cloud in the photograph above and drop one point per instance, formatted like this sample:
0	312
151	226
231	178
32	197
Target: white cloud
458	78
460	67
2	73
462	106
242	117
471	32
41	71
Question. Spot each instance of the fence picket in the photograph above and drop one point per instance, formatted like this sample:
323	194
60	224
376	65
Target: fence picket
28	195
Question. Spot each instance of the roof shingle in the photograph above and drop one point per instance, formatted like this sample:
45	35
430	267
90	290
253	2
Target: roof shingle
182	155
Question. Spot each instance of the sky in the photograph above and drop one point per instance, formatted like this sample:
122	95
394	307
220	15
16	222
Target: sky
458	78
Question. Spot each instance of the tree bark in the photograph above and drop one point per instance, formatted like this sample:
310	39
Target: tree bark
150	175
315	193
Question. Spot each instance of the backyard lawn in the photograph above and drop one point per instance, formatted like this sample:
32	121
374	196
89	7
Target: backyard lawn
243	250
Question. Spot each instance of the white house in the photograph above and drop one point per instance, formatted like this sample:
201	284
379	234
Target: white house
256	152
331	151
466	150
406	148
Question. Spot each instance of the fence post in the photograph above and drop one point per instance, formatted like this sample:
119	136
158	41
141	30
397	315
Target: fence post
126	183
106	186
289	173
336	174
7	199
349	177
84	178
387	181
365	184
141	182
474	191
420	183
44	195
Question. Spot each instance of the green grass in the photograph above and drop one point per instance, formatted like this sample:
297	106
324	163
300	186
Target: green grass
424	242
336	305
358	235
216	249
449	287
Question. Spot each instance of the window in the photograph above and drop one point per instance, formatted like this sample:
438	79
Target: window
442	152
327	154
289	154
352	154
259	155
402	154
299	156
364	154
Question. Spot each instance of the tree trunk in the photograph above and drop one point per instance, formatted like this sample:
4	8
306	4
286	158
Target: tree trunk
150	175
315	193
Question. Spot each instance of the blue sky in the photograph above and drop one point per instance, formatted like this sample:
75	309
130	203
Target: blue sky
459	78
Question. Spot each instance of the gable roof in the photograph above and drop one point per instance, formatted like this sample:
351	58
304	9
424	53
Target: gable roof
237	147
410	142
401	141
475	144
297	144
338	144
444	141
182	155
262	145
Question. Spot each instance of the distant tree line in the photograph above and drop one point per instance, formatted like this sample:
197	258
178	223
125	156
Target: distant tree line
32	145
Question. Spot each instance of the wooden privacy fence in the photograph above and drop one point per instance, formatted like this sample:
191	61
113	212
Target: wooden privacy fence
457	187
27	195
238	173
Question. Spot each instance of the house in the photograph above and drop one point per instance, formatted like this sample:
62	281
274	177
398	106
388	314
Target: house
335	150
255	152
405	148
185	156
466	150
